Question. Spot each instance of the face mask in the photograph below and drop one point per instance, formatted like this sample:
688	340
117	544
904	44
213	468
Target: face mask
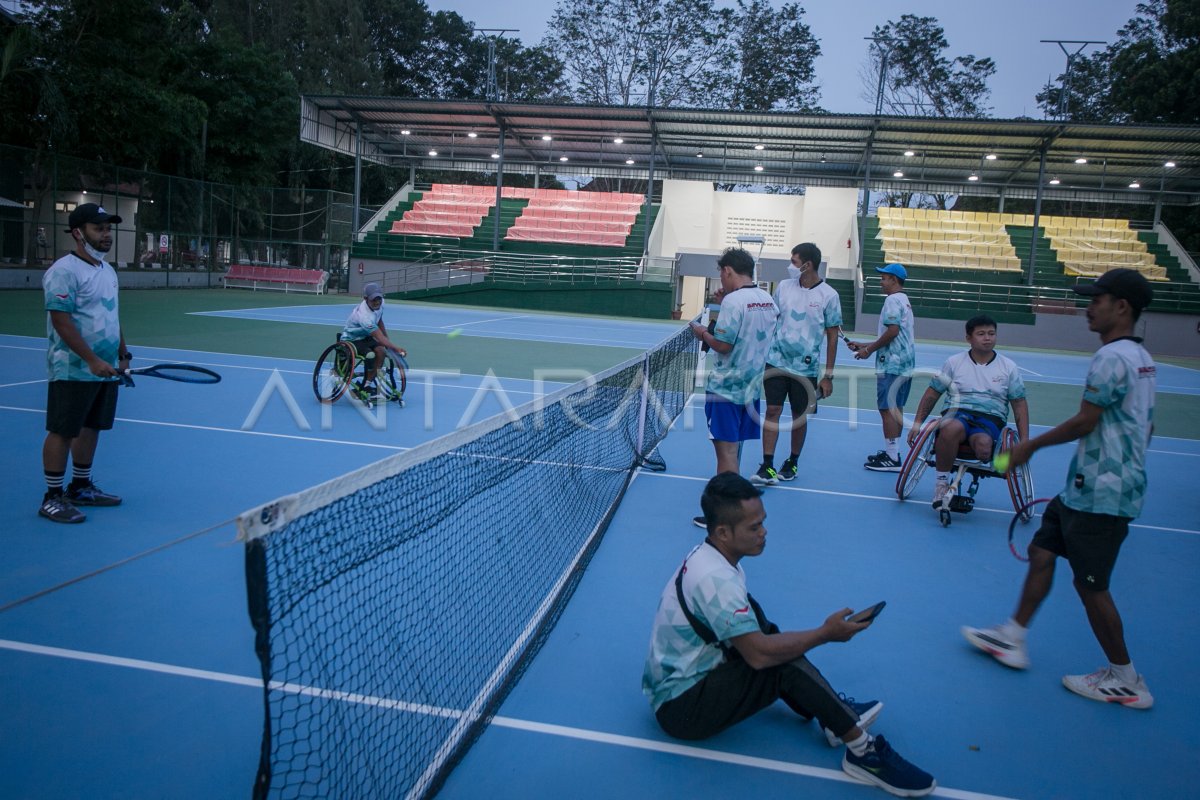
99	255
794	272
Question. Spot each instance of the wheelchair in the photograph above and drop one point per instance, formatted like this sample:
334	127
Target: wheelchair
340	369
921	457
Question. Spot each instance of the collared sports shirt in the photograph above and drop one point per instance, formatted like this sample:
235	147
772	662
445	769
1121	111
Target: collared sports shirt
89	294
899	356
362	323
746	321
804	315
986	388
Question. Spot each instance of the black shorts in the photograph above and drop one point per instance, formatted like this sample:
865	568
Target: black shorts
799	390
364	346
1090	542
72	406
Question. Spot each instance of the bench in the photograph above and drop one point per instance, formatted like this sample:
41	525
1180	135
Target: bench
287	279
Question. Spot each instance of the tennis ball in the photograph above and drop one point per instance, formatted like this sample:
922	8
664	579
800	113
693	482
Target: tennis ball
454	334
1000	462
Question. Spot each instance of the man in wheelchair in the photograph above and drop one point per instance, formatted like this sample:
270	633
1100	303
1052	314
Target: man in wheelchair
981	385
365	330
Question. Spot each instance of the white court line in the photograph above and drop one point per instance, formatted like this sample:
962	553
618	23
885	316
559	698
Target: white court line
1008	512
229	430
632	742
484	321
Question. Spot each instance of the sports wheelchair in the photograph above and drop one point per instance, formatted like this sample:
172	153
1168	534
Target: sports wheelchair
921	456
340	368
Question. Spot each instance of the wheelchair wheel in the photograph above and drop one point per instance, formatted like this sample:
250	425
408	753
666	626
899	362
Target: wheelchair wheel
333	372
919	456
393	377
1019	478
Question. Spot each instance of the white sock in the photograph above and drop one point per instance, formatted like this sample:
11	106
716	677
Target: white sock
1014	630
893	449
1125	673
943	477
859	746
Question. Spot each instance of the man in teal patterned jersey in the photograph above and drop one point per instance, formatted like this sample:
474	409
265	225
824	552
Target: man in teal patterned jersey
810	314
715	660
895	359
740	338
84	360
1106	485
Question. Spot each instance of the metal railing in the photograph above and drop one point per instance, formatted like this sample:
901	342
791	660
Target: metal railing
1024	299
451	266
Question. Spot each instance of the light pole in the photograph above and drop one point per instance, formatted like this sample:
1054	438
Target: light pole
1064	93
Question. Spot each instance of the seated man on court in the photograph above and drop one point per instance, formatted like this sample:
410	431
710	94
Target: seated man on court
366	331
715	660
982	384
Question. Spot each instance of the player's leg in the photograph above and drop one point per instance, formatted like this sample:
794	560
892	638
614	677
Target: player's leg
100	416
950	436
891	393
775	383
64	418
802	397
727	695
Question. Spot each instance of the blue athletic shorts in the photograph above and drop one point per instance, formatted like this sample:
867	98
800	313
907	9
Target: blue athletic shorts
977	423
891	391
731	422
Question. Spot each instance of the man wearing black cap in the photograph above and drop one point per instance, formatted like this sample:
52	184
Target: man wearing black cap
1106	485
84	360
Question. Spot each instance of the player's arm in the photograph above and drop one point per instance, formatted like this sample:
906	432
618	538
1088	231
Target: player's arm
826	384
380	335
702	333
64	326
1083	423
924	409
865	350
1020	409
763	650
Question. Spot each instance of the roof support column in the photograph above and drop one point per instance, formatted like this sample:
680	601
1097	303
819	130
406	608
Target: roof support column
649	195
357	174
1037	216
866	202
499	192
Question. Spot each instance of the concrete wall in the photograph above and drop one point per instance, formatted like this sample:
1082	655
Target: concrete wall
127	279
1164	334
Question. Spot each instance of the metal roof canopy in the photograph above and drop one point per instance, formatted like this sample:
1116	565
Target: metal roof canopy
792	148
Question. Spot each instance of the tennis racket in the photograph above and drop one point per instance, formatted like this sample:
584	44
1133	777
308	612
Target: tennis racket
1020	529
846	338
185	373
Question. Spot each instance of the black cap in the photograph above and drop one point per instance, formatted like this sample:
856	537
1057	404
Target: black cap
90	212
1124	284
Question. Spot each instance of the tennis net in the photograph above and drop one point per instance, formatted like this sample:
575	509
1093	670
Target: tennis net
395	606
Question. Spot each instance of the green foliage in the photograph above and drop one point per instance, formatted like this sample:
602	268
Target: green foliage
921	80
1150	74
686	53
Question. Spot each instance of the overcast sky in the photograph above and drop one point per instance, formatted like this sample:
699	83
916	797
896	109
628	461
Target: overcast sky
1007	31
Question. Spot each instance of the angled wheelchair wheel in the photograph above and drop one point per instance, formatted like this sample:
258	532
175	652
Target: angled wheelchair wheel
919	457
393	377
333	372
1019	478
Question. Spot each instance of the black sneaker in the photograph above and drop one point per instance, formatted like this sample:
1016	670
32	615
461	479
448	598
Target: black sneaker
57	508
788	471
700	522
89	494
766	476
883	766
882	462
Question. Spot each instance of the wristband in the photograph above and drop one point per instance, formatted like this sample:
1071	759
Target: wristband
125	356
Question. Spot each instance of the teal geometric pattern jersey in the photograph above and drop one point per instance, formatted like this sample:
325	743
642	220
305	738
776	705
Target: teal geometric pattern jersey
746	321
804	314
985	388
899	356
1107	474
89	294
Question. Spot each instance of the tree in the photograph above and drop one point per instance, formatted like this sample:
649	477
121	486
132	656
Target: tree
921	80
685	53
1151	73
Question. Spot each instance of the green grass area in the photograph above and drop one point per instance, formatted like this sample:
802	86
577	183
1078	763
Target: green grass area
165	318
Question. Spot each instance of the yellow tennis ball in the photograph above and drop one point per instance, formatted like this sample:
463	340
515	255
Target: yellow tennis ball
454	334
1000	462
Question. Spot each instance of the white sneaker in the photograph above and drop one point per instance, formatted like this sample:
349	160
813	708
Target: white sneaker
995	643
1106	687
939	493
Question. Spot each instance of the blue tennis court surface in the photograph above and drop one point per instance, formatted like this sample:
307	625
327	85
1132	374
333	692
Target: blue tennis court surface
127	665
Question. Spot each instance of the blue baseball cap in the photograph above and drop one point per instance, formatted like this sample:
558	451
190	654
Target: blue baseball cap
371	291
894	269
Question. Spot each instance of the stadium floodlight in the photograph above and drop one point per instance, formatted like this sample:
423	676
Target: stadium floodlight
433	153
618	140
990	156
472	135
699	154
562	158
1055	181
1169	164
758	167
547	138
909	154
898	174
405	132
495	155
1135	185
1081	160
629	161
973	177
758	147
